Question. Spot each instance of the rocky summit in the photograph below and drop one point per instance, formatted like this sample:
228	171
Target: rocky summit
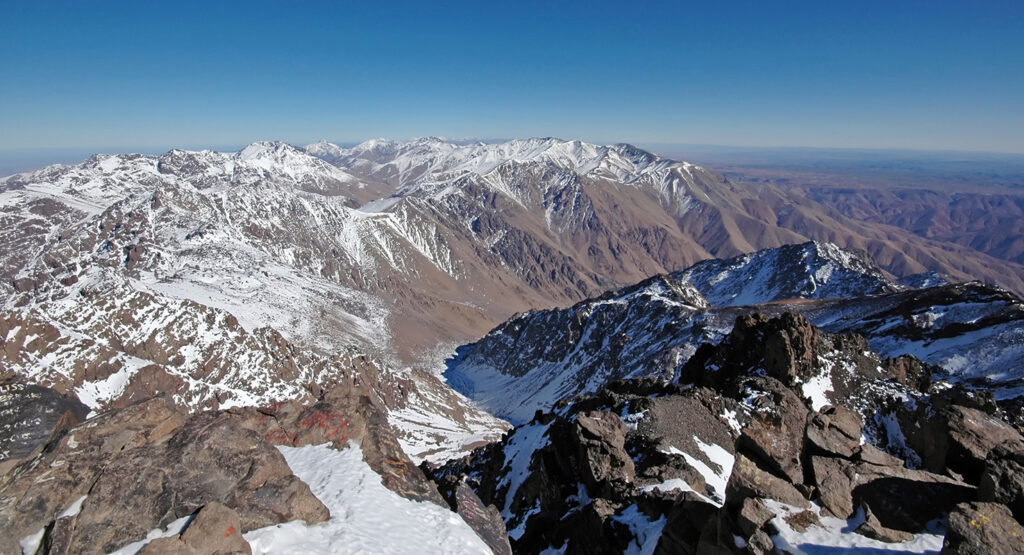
780	437
528	346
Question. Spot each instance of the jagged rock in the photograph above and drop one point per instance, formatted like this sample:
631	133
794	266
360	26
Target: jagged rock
982	529
872	455
716	537
972	435
775	435
485	520
215	530
834	479
955	437
905	499
30	417
752	516
605	465
146	465
683	525
760	543
57	538
167	546
834	431
910	371
872	528
1003	478
595	531
747	480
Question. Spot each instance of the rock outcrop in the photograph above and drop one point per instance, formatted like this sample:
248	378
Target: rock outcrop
766	435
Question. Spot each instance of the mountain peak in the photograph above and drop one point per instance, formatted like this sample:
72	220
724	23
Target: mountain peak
811	270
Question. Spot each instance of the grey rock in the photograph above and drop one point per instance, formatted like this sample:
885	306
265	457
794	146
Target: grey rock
983	529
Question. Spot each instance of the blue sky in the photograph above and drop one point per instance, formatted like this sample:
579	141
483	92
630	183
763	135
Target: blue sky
925	75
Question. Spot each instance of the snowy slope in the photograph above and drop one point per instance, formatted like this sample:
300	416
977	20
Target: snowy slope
366	517
220	278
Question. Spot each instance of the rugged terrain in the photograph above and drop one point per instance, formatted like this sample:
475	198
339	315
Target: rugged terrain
973	332
232	312
780	437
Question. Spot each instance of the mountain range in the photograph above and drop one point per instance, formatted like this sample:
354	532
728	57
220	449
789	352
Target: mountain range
342	280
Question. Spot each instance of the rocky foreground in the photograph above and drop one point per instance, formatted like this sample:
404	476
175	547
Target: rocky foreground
70	486
781	437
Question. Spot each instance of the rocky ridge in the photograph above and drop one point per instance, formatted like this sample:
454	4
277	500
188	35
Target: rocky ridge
971	331
105	483
749	451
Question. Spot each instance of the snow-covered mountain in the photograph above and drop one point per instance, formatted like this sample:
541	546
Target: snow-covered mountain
972	331
222	279
808	271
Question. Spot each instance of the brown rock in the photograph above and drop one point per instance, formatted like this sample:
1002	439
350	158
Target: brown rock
775	436
144	466
873	529
30	417
485	520
57	538
216	530
873	455
748	480
167	546
905	499
834	431
760	543
683	525
605	466
752	516
834	479
982	529
972	435
1003	478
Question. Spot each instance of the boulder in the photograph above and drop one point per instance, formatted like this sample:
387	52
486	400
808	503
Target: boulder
775	435
835	431
982	529
146	465
872	455
752	516
215	530
683	525
605	466
1003	478
972	435
834	479
485	520
872	528
905	499
749	480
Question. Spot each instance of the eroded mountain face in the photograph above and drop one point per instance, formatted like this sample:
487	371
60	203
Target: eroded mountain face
778	436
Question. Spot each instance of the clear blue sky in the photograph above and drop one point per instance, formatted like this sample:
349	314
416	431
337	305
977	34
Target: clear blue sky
925	75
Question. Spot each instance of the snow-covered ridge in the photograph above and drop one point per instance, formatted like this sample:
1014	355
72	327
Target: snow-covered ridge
974	332
433	159
812	270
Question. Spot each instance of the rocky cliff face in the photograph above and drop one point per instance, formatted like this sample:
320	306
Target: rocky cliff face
779	436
